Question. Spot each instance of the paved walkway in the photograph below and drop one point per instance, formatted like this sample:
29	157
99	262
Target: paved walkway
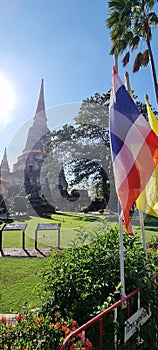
9	317
25	253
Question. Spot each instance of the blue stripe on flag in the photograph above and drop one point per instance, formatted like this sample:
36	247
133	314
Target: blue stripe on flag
116	144
125	105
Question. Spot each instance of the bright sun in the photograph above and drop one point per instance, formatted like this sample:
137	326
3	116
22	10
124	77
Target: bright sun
7	100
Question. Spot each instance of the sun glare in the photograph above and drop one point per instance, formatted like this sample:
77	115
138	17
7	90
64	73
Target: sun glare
7	100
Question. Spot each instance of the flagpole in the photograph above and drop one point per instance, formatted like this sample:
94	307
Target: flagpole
121	250
122	268
141	220
141	216
116	62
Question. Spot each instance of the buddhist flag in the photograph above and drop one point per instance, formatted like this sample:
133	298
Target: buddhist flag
147	202
133	146
152	119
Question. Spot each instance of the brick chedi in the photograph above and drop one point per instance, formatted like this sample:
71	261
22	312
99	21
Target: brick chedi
28	166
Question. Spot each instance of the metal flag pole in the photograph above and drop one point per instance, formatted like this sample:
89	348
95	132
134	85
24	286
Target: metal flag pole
141	220
141	216
121	250
122	267
116	62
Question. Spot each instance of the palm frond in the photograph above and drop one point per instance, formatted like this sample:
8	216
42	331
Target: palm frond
112	20
138	62
126	59
118	47
145	60
153	18
116	4
135	42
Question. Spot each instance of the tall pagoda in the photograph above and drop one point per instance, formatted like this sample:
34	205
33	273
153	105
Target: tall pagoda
26	172
4	175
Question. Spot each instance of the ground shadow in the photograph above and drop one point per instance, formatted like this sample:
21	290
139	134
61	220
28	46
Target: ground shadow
151	221
22	218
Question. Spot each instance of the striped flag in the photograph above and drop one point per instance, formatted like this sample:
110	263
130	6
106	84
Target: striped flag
148	199
152	119
133	147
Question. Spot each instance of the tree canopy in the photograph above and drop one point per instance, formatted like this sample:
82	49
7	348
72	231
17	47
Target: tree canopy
83	149
81	152
131	24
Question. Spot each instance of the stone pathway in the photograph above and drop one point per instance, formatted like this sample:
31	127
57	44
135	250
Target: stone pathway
25	253
9	317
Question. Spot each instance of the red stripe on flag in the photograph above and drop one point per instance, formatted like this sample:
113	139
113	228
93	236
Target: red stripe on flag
128	193
137	179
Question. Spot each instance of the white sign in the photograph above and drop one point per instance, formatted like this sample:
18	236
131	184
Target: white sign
136	320
48	226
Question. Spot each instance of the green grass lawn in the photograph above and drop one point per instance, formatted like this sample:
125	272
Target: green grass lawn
69	224
19	276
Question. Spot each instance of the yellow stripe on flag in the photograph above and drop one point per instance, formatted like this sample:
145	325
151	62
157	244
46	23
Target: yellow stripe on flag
152	119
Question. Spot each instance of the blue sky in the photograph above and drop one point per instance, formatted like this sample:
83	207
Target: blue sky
64	42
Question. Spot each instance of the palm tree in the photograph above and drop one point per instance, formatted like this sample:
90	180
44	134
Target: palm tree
131	22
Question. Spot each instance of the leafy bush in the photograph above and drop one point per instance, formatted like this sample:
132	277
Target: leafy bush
82	281
84	209
153	244
83	277
3	206
31	332
101	211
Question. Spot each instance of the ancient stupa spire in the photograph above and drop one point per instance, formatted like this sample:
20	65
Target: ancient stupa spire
4	163
39	128
41	103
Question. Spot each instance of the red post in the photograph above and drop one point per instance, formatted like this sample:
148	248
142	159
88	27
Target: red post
128	315
101	333
100	316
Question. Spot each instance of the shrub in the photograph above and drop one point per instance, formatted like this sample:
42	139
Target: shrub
82	281
84	209
31	331
86	278
82	278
